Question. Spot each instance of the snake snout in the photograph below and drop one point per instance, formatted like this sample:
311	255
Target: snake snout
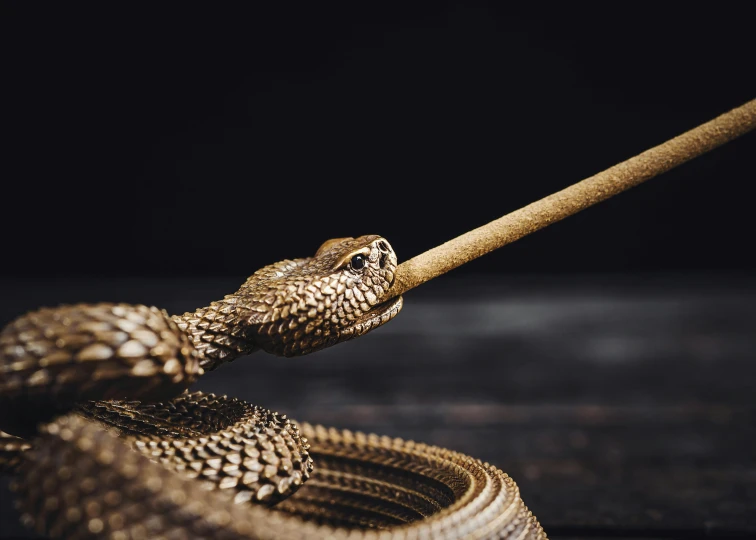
382	260
384	254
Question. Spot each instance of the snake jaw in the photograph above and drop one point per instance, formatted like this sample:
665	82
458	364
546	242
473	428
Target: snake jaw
381	314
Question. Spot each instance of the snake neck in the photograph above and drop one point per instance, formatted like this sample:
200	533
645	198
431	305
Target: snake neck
218	331
298	306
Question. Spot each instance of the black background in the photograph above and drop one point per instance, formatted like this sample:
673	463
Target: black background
174	139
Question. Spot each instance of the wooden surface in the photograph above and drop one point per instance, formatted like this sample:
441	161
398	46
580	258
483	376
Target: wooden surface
622	408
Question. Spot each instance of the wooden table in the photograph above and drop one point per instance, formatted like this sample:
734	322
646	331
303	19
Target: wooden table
622	407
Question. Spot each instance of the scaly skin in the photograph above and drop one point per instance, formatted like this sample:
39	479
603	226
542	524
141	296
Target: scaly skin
111	445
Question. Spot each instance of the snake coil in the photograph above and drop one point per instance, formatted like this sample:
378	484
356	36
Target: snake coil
105	441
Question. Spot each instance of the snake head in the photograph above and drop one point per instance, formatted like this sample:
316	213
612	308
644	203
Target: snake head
301	306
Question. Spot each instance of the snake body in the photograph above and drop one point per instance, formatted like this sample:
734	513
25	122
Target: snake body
105	440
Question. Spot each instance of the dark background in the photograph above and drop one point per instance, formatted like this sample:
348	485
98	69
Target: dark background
175	139
160	154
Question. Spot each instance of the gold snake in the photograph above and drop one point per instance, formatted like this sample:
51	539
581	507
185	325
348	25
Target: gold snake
105	441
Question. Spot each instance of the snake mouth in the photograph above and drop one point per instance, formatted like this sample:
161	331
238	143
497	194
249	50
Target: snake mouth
380	314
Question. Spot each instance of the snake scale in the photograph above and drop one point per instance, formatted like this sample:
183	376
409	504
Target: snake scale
104	439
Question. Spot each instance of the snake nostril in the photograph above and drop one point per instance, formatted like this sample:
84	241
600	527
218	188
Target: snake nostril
382	247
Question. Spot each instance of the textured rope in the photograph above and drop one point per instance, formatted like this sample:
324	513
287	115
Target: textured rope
575	198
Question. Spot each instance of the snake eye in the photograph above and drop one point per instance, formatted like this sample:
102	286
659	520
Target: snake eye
358	262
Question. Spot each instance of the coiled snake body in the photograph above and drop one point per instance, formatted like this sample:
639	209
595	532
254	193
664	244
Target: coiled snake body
105	441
